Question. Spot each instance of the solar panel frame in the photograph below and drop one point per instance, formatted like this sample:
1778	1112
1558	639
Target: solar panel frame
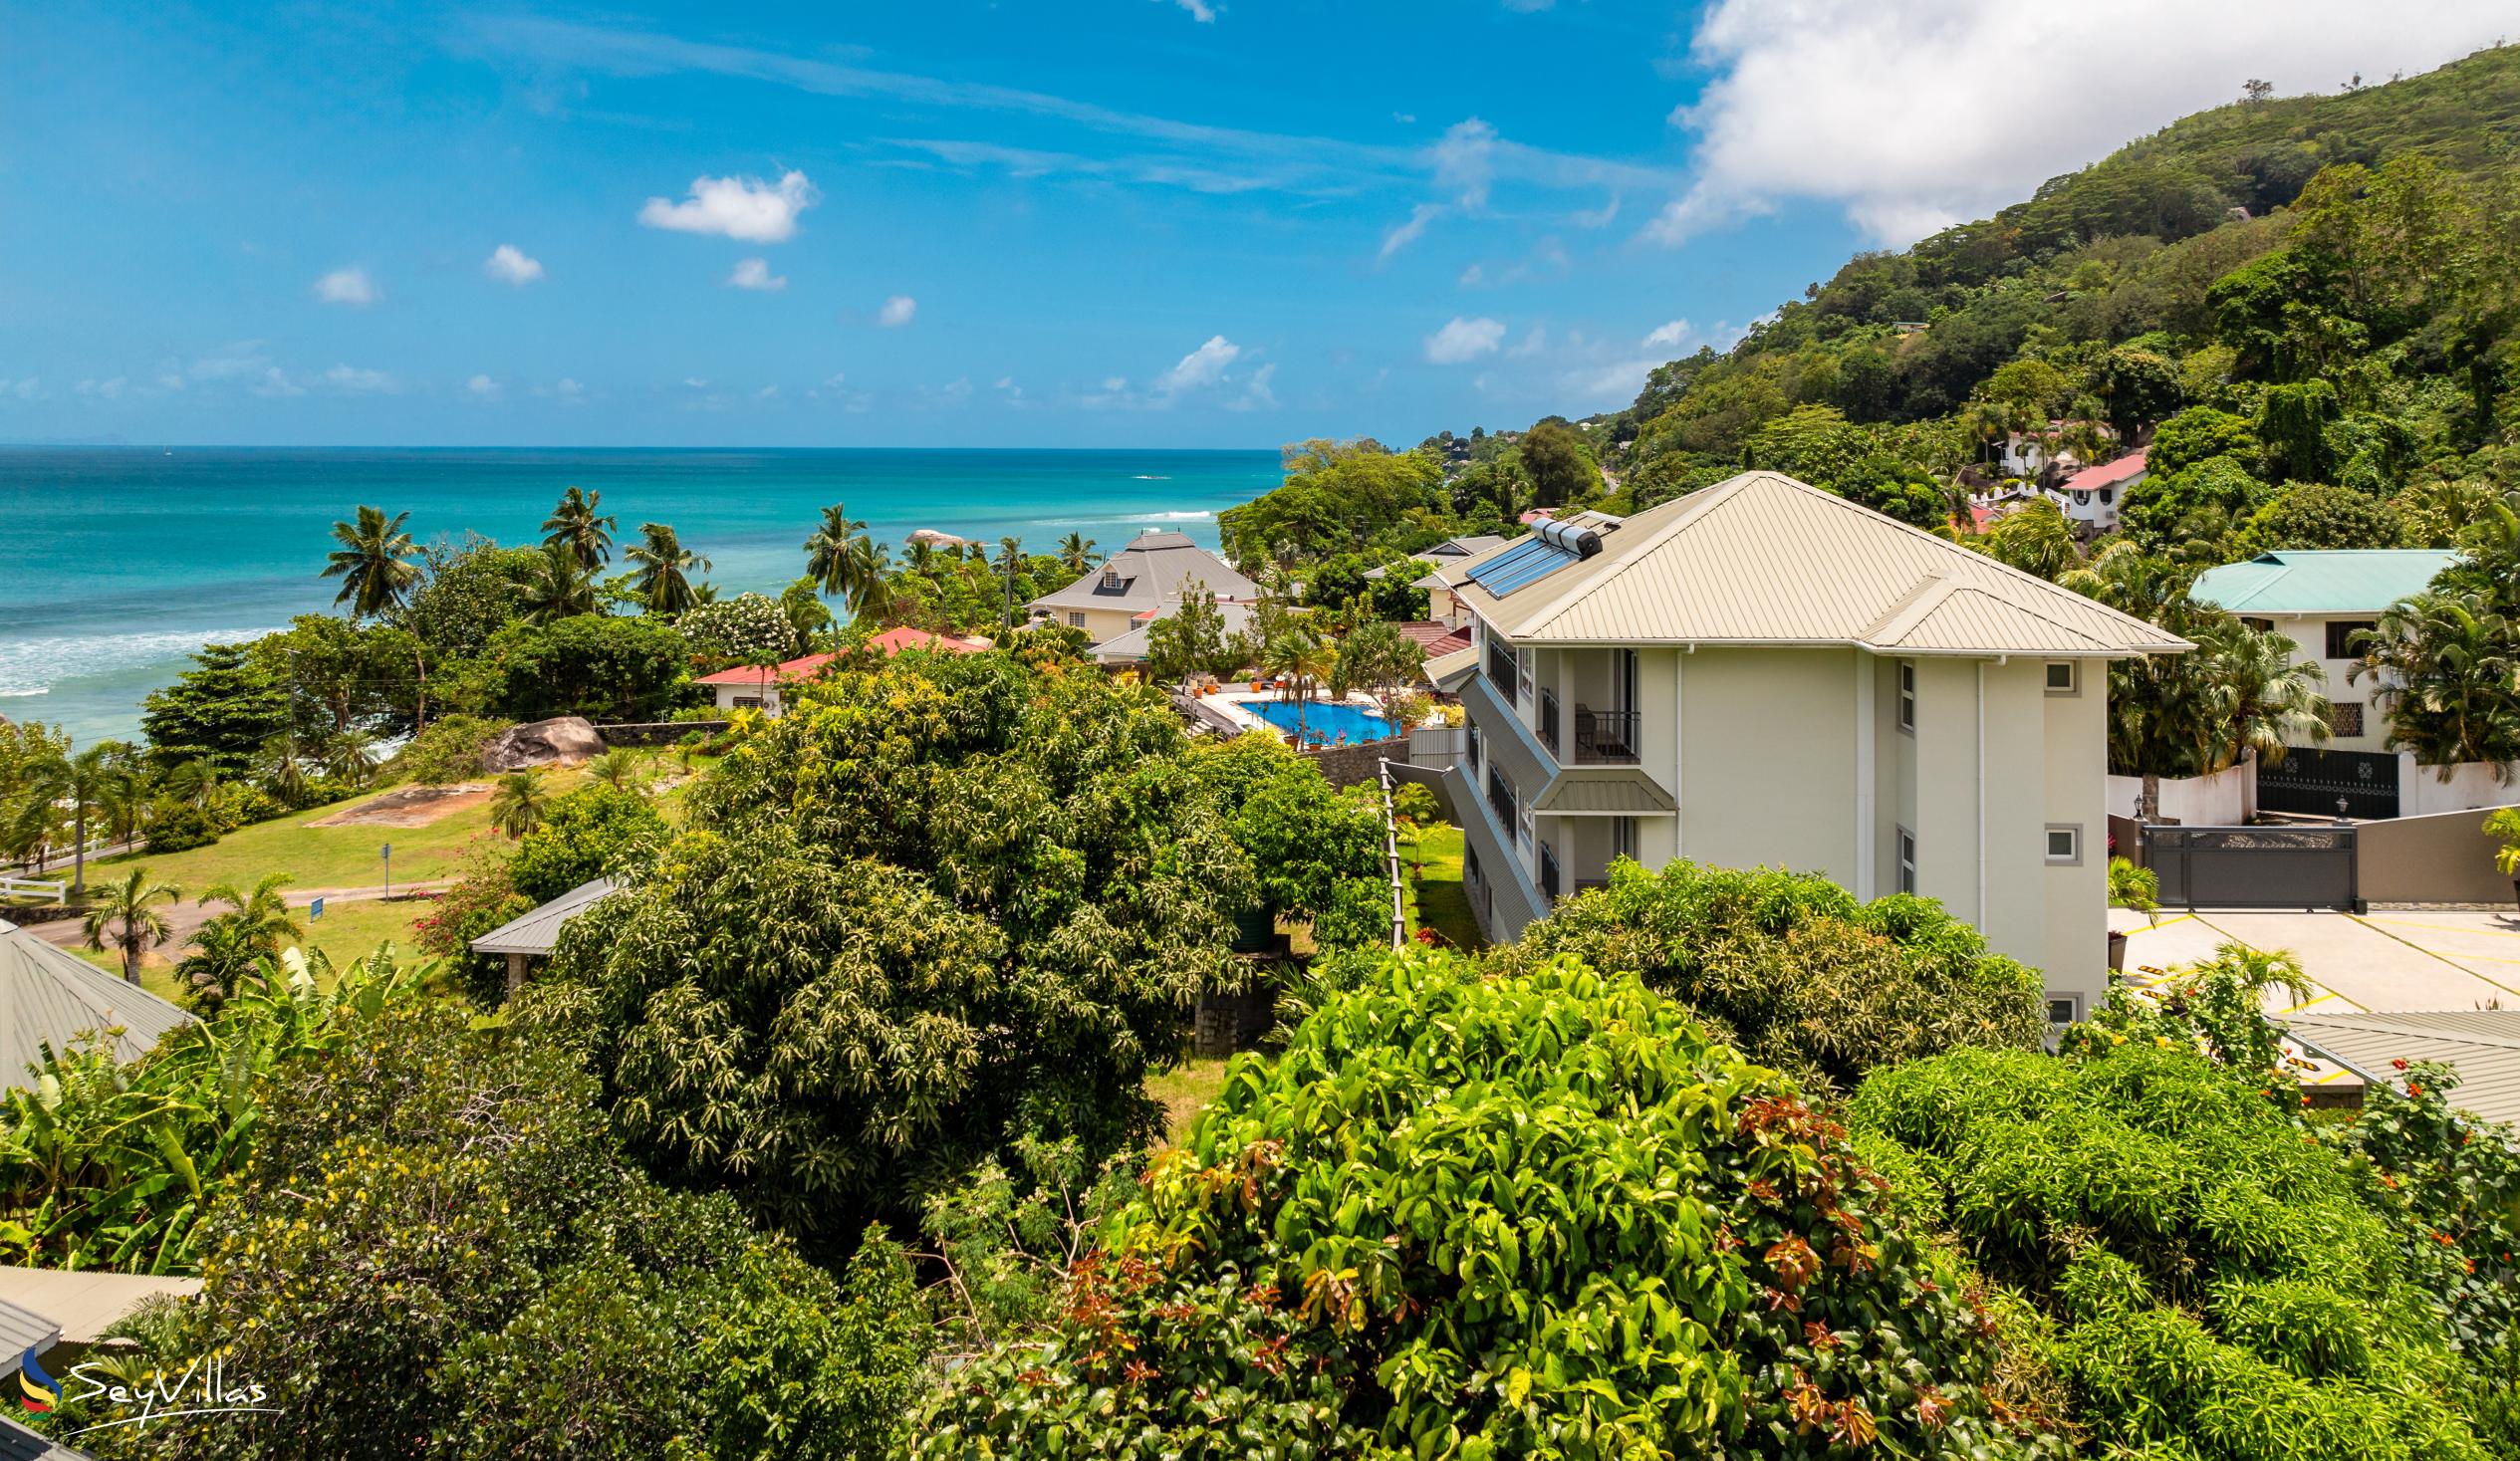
1523	567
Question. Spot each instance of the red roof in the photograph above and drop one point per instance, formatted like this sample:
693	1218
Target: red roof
901	636
1535	515
752	674
1437	639
2107	474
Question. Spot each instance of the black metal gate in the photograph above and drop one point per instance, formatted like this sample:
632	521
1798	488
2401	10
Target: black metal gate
2252	866
2360	783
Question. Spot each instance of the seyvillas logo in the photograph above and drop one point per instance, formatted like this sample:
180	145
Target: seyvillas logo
37	1392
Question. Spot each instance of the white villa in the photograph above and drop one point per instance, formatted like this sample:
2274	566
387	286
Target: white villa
1138	583
2317	599
1764	673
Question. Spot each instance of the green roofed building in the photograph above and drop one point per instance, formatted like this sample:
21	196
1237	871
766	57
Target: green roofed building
2318	598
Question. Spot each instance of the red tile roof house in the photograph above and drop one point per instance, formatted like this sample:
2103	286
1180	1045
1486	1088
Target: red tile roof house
2093	495
756	688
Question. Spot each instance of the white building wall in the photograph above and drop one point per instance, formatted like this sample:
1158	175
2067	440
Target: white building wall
2471	786
2309	635
1769	760
2076	916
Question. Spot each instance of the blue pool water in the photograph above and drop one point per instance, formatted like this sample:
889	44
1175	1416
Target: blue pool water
1324	721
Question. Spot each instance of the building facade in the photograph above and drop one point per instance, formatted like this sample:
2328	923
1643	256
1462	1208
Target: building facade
1137	583
2319	599
1762	673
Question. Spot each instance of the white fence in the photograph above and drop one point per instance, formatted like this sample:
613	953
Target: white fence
28	888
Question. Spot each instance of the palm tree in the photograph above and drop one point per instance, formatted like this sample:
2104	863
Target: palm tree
621	768
2447	677
283	769
373	561
842	561
664	570
2263	699
556	585
920	556
349	755
1076	553
84	781
575	527
259	916
517	808
1010	562
1301	657
127	917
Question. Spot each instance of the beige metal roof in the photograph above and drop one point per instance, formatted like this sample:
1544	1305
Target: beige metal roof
538	933
2483	1045
84	1303
1604	790
1446	666
53	996
1761	558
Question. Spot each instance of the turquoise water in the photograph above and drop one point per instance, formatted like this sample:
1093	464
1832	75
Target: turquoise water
115	564
1324	721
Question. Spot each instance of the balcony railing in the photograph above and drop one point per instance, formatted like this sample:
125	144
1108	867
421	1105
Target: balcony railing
1501	802
1500	670
1548	873
1605	737
1549	720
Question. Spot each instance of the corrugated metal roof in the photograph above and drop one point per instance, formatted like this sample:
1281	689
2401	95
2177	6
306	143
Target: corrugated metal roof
1151	569
2108	474
1132	645
2321	581
17	1443
21	1329
1508	742
1761	558
1444	671
51	996
86	1302
2483	1045
538	933
1604	790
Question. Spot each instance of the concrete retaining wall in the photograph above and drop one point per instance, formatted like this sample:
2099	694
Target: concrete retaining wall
2422	790
2444	857
2225	799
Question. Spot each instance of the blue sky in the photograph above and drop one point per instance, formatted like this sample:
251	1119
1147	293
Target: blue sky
1095	222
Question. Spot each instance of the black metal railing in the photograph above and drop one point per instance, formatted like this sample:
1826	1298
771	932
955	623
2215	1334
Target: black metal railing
1548	873
1605	737
1549	720
1500	671
1501	802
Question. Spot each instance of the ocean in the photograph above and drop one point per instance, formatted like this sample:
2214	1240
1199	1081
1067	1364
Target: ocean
116	563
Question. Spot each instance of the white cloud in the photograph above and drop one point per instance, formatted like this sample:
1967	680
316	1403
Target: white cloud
1910	134
1407	233
349	286
110	389
744	208
1614	384
767	392
565	391
1532	344
1256	394
1669	334
1473	277
1115	383
696	382
755	274
1462	340
360	381
509	264
896	312
1600	217
276	385
483	387
1199	10
1199	369
232	361
1466	161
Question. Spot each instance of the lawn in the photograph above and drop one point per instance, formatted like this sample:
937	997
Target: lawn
1438	901
1185	1091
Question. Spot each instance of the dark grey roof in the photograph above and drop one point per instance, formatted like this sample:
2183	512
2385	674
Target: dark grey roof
2483	1045
51	996
17	1443
538	933
1152	568
22	1330
1131	645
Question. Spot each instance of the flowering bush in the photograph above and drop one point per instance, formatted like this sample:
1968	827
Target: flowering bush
744	630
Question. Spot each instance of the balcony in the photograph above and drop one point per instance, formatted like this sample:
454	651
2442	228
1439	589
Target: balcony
1500	800
1549	720
1549	884
1501	671
1605	737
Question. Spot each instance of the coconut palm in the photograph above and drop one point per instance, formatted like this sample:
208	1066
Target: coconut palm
2263	699
349	755
195	783
282	770
125	917
1299	654
920	556
577	529
556	585
2035	538
666	568
259	916
373	561
517	807
621	768
1010	562
84	781
842	561
2447	677
1076	553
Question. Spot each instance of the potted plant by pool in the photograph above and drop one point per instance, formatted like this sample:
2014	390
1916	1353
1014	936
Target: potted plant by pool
2504	823
2134	887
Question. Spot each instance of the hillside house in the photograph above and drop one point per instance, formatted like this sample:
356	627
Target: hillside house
1133	584
2318	598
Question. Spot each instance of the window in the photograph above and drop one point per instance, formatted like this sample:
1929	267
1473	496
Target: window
1907	861
2349	718
2108	495
2064	677
2262	625
1075	620
1908	695
2065	845
748	702
2341	633
2065	1010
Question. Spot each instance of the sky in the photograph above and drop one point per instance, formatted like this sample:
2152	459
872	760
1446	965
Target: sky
1171	223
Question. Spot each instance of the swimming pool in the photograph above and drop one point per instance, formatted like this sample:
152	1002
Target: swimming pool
1324	720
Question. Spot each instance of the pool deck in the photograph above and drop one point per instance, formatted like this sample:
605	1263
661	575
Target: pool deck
1236	706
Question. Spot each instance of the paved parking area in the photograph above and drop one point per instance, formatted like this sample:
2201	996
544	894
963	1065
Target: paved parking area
2385	960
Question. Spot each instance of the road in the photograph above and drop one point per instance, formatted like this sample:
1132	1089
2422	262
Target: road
184	918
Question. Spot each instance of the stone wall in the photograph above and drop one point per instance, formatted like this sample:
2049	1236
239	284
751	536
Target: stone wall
1225	1023
1349	766
656	733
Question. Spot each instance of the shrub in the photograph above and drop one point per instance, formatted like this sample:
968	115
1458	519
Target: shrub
179	827
2217	1288
743	630
483	898
1540	1214
583	836
1799	973
447	751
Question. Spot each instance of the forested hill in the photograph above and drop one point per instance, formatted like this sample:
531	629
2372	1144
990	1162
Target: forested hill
2363	239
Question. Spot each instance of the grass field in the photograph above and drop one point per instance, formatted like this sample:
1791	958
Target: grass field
1437	901
1187	1091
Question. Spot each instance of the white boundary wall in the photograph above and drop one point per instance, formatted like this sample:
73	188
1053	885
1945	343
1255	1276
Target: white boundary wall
2227	798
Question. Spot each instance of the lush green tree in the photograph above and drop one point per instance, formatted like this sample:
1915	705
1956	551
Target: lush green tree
582	835
840	559
2197	434
810	997
125	917
1193	640
1375	656
599	665
1561	467
373	562
664	570
1336	495
517	807
2316	515
555	584
467	594
1302	658
221	711
2036	539
579	528
1304	835
2294	423
449	751
83	781
745	630
2139	386
2443	668
1076	553
1537	1214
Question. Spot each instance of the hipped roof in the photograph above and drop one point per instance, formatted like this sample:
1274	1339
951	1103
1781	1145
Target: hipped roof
51	996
